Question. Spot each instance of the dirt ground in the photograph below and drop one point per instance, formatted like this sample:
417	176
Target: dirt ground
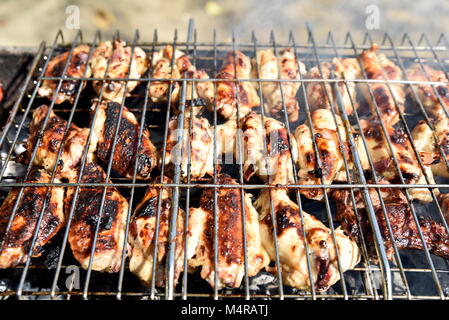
27	22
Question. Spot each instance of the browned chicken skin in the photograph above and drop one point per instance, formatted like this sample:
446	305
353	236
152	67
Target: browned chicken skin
379	67
111	233
125	152
230	236
405	231
75	69
16	241
142	233
52	139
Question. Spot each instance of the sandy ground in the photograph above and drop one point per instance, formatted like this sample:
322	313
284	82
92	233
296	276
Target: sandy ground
27	22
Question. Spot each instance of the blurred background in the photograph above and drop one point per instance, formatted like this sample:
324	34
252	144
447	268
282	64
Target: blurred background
27	22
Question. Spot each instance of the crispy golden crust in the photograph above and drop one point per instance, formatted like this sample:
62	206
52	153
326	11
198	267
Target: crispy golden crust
17	241
75	69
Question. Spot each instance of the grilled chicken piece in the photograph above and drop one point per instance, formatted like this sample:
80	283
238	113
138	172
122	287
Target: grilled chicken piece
429	144
52	140
75	69
320	95
118	55
264	140
16	242
182	67
291	243
230	252
229	94
199	140
331	157
284	67
426	94
125	153
405	230
111	233
403	151
375	65
143	231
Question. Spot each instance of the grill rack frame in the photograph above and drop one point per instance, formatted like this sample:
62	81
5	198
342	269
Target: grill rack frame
385	269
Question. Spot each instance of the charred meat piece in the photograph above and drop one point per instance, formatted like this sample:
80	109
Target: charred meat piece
75	69
405	231
328	144
125	153
426	94
379	67
230	252
198	142
17	240
383	162
111	232
292	244
142	235
231	94
118	55
320	95
285	67
429	143
53	139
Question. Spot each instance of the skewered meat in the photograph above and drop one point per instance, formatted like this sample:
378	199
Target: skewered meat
408	164
118	55
405	230
284	67
230	94
52	140
375	65
143	231
75	69
16	242
200	142
429	147
125	152
426	94
319	93
331	157
291	243
276	147
230	236
111	232
182	67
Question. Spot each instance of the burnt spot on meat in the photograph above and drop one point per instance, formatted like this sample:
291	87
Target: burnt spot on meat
398	136
150	207
374	132
382	98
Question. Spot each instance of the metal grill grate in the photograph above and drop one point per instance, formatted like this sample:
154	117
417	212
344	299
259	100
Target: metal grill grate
411	275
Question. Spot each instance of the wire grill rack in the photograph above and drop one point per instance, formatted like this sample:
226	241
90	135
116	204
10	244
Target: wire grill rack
411	275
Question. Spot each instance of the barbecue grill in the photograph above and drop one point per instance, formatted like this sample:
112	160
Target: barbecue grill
56	275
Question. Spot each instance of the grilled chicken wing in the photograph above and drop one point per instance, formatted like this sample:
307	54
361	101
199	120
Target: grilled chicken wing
229	94
429	144
408	164
320	95
379	67
52	139
17	240
291	243
111	233
426	94
405	230
75	69
125	152
182	67
118	55
284	67
275	148
143	231
230	252
331	157
200	142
